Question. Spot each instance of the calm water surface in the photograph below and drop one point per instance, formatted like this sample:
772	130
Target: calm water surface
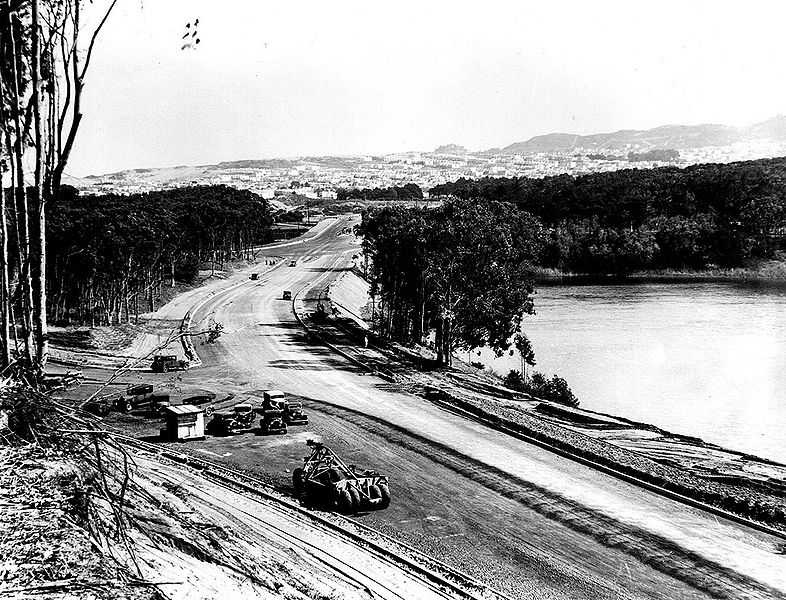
703	359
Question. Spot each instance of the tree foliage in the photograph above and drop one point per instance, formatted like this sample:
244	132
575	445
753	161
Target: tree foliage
108	252
627	220
462	270
409	191
555	389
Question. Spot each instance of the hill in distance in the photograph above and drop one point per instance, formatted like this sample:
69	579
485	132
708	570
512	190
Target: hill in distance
623	142
451	149
676	137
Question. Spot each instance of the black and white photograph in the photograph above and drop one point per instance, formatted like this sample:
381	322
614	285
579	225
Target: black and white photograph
356	300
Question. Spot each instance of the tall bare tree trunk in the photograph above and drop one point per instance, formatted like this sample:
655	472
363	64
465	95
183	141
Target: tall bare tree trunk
39	304
5	314
20	200
5	350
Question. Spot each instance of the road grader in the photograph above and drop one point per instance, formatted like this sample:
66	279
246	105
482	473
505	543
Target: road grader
325	479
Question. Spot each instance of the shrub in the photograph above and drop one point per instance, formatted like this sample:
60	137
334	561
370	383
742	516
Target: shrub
515	381
555	389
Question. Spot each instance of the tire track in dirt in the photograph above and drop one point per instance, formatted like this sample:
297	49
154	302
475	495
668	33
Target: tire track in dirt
655	551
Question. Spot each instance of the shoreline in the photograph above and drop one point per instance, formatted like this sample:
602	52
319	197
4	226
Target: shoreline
769	273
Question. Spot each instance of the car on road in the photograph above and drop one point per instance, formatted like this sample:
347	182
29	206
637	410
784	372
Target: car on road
142	396
292	263
169	362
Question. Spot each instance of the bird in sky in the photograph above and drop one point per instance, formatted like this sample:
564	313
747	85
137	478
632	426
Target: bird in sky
190	36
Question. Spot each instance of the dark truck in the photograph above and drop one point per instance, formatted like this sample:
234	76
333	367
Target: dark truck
273	412
239	420
169	362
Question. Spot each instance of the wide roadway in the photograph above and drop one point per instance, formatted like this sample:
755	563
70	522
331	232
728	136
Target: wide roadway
521	519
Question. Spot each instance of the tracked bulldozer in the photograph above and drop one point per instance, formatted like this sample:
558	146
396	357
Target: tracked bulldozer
325	479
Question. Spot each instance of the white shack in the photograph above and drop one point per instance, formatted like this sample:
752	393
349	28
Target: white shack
183	422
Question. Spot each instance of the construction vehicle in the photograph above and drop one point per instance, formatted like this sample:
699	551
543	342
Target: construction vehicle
169	362
326	479
273	409
240	420
287	295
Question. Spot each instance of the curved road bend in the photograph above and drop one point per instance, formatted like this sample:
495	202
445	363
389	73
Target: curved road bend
523	520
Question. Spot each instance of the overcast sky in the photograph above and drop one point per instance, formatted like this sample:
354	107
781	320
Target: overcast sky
363	77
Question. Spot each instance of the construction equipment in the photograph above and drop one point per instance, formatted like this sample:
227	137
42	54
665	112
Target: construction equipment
326	479
273	409
240	420
169	362
287	295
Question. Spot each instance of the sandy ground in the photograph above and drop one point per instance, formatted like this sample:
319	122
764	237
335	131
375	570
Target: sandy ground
515	516
261	548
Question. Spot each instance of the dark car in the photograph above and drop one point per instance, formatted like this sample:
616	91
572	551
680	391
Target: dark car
200	398
169	362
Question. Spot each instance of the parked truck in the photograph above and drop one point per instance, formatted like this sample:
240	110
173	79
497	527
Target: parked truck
273	413
239	420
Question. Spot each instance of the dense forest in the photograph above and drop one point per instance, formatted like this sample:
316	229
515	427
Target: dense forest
410	191
461	269
700	217
107	254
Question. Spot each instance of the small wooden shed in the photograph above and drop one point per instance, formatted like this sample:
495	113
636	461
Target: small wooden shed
183	422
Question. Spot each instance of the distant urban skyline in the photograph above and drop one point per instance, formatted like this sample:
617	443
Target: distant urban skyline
360	78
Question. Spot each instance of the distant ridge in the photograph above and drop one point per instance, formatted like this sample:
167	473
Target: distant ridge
676	137
451	149
622	144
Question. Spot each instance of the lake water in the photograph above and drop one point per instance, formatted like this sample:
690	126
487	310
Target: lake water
702	359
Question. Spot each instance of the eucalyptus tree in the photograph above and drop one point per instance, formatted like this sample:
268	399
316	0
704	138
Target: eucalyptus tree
45	53
462	270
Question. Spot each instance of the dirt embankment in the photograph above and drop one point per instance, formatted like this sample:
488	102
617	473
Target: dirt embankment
47	550
72	526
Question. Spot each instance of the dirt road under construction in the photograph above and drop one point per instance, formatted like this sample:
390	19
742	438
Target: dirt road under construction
515	516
